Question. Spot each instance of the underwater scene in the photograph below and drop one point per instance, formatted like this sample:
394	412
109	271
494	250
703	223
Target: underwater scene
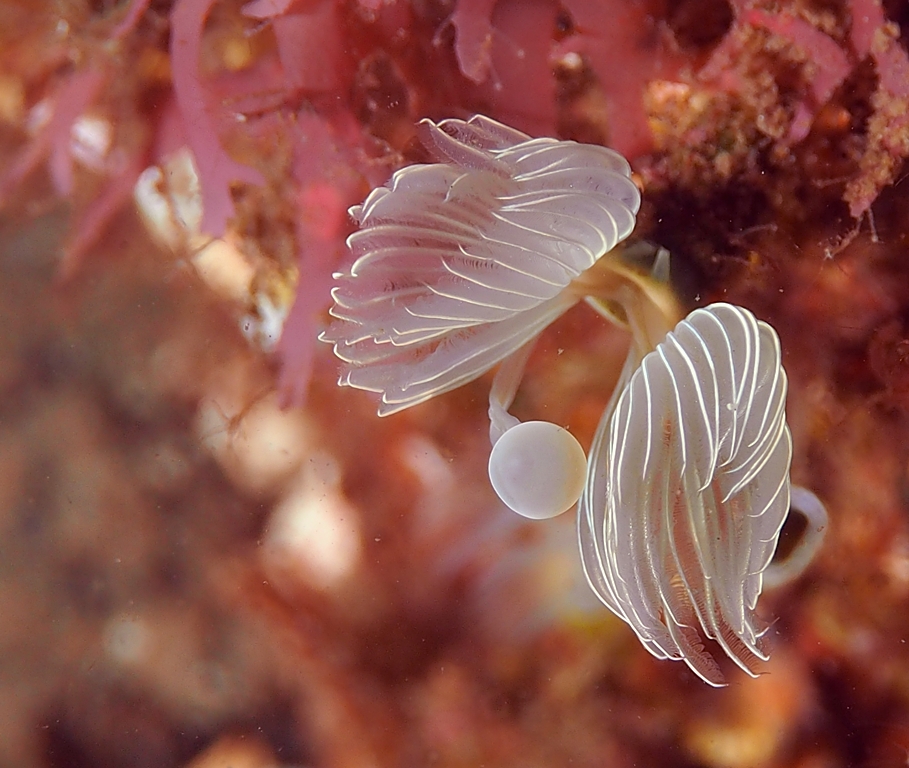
454	383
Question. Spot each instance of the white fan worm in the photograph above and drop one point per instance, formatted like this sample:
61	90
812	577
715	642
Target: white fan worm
460	263
688	487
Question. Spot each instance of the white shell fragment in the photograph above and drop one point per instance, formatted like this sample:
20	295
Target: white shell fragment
460	263
688	487
538	469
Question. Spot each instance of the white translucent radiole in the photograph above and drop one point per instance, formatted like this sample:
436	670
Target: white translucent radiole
688	488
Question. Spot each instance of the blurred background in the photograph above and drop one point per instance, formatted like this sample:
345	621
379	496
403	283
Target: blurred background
211	555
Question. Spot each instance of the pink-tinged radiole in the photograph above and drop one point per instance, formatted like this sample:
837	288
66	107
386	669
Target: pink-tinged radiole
460	263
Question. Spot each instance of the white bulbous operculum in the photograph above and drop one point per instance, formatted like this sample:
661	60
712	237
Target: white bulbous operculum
537	468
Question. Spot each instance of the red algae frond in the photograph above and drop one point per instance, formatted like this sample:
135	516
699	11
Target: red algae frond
217	170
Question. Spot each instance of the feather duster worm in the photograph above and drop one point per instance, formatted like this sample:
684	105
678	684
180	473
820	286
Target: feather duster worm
460	263
688	487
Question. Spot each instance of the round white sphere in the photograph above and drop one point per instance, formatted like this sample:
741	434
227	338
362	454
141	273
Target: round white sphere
538	469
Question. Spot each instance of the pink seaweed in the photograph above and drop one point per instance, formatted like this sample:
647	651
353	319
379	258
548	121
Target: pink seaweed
54	140
472	20
890	57
134	14
93	221
310	43
522	87
831	65
888	127
623	45
216	169
328	183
